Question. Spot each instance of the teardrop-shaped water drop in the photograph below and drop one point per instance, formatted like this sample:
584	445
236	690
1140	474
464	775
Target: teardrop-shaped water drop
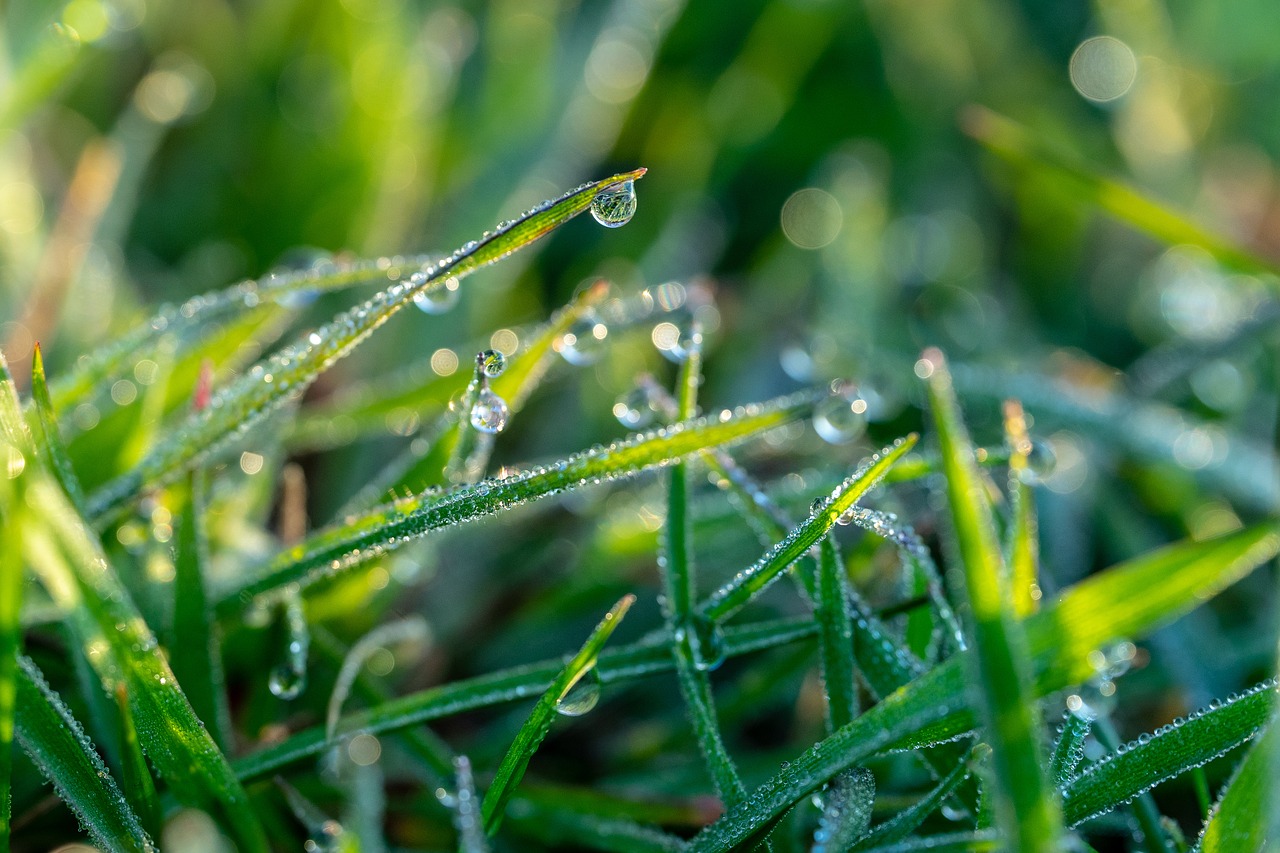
490	412
288	679
688	337
637	408
584	341
581	697
841	417
614	207
706	640
491	363
286	682
439	298
1041	460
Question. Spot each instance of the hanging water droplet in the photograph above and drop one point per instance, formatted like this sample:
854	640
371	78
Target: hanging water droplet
614	207
583	342
581	697
288	679
438	299
285	682
677	346
842	417
1041	460
490	412
491	363
637	408
706	639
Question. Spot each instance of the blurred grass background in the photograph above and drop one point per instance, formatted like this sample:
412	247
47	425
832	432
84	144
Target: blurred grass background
1083	192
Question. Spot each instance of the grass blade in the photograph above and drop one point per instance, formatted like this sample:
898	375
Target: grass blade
1022	546
902	824
846	811
1026	810
139	787
1068	752
50	440
531	734
835	637
11	578
388	527
1238	823
285	375
1127	600
59	747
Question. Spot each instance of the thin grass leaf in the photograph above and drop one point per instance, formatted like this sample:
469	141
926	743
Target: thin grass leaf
139	787
1022	544
1026	810
57	744
906	821
648	656
287	374
1145	814
11	580
1125	601
951	842
123	650
49	438
324	832
694	648
465	807
846	811
1017	145
409	629
1239	820
386	528
753	580
531	734
835	637
1068	752
1168	752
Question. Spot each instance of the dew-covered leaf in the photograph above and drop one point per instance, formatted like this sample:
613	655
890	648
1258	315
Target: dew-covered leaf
1239	820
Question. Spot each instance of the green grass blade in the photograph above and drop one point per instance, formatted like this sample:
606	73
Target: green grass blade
646	657
1238	823
1022	544
1146	816
1026	810
59	747
1068	752
11	579
951	842
139	787
531	734
285	375
846	811
123	650
50	440
1129	599
1168	752
905	822
835	637
388	527
692	661
753	580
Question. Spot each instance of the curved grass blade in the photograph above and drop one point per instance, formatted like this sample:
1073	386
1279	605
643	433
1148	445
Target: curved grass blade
1238	822
409	629
139	787
1130	599
846	811
753	580
1168	752
50	440
905	822
59	747
286	375
383	529
1026	810
531	734
648	656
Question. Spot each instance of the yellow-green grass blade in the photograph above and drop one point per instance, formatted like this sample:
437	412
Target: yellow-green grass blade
1239	821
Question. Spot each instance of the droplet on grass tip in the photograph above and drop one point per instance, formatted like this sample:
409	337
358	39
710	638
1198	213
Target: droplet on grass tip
581	697
491	363
841	417
614	207
490	412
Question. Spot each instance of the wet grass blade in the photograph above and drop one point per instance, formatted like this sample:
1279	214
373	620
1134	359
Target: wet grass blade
846	811
753	580
58	746
1068	752
835	637
49	439
531	734
1170	751
1238	823
1022	545
1025	808
906	821
1126	601
11	579
388	527
139	787
286	374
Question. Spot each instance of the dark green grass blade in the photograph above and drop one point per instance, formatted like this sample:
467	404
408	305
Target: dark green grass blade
285	375
1238	822
50	440
846	811
531	734
905	822
1068	752
753	580
1025	808
388	527
646	657
1125	601
835	637
1168	752
139	787
951	842
59	747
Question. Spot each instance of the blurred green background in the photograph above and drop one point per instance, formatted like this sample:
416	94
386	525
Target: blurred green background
1077	201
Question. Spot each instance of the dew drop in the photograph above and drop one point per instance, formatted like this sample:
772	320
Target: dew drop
581	697
841	417
614	207
285	682
437	299
583	342
491	363
1041	460
490	412
707	642
288	679
637	408
678	346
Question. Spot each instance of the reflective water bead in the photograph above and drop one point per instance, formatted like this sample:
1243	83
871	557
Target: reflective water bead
286	682
614	207
438	299
677	346
842	417
706	639
491	363
490	412
637	408
581	697
583	342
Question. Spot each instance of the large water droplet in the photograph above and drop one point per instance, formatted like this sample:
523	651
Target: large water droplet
490	412
288	679
581	697
286	682
842	417
614	207
583	343
1041	460
677	346
706	640
637	408
491	363
439	299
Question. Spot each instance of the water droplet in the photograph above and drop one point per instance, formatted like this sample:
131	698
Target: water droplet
437	299
581	697
583	343
678	346
842	417
614	207
637	408
285	682
706	639
491	363
1041	459
288	679
490	412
